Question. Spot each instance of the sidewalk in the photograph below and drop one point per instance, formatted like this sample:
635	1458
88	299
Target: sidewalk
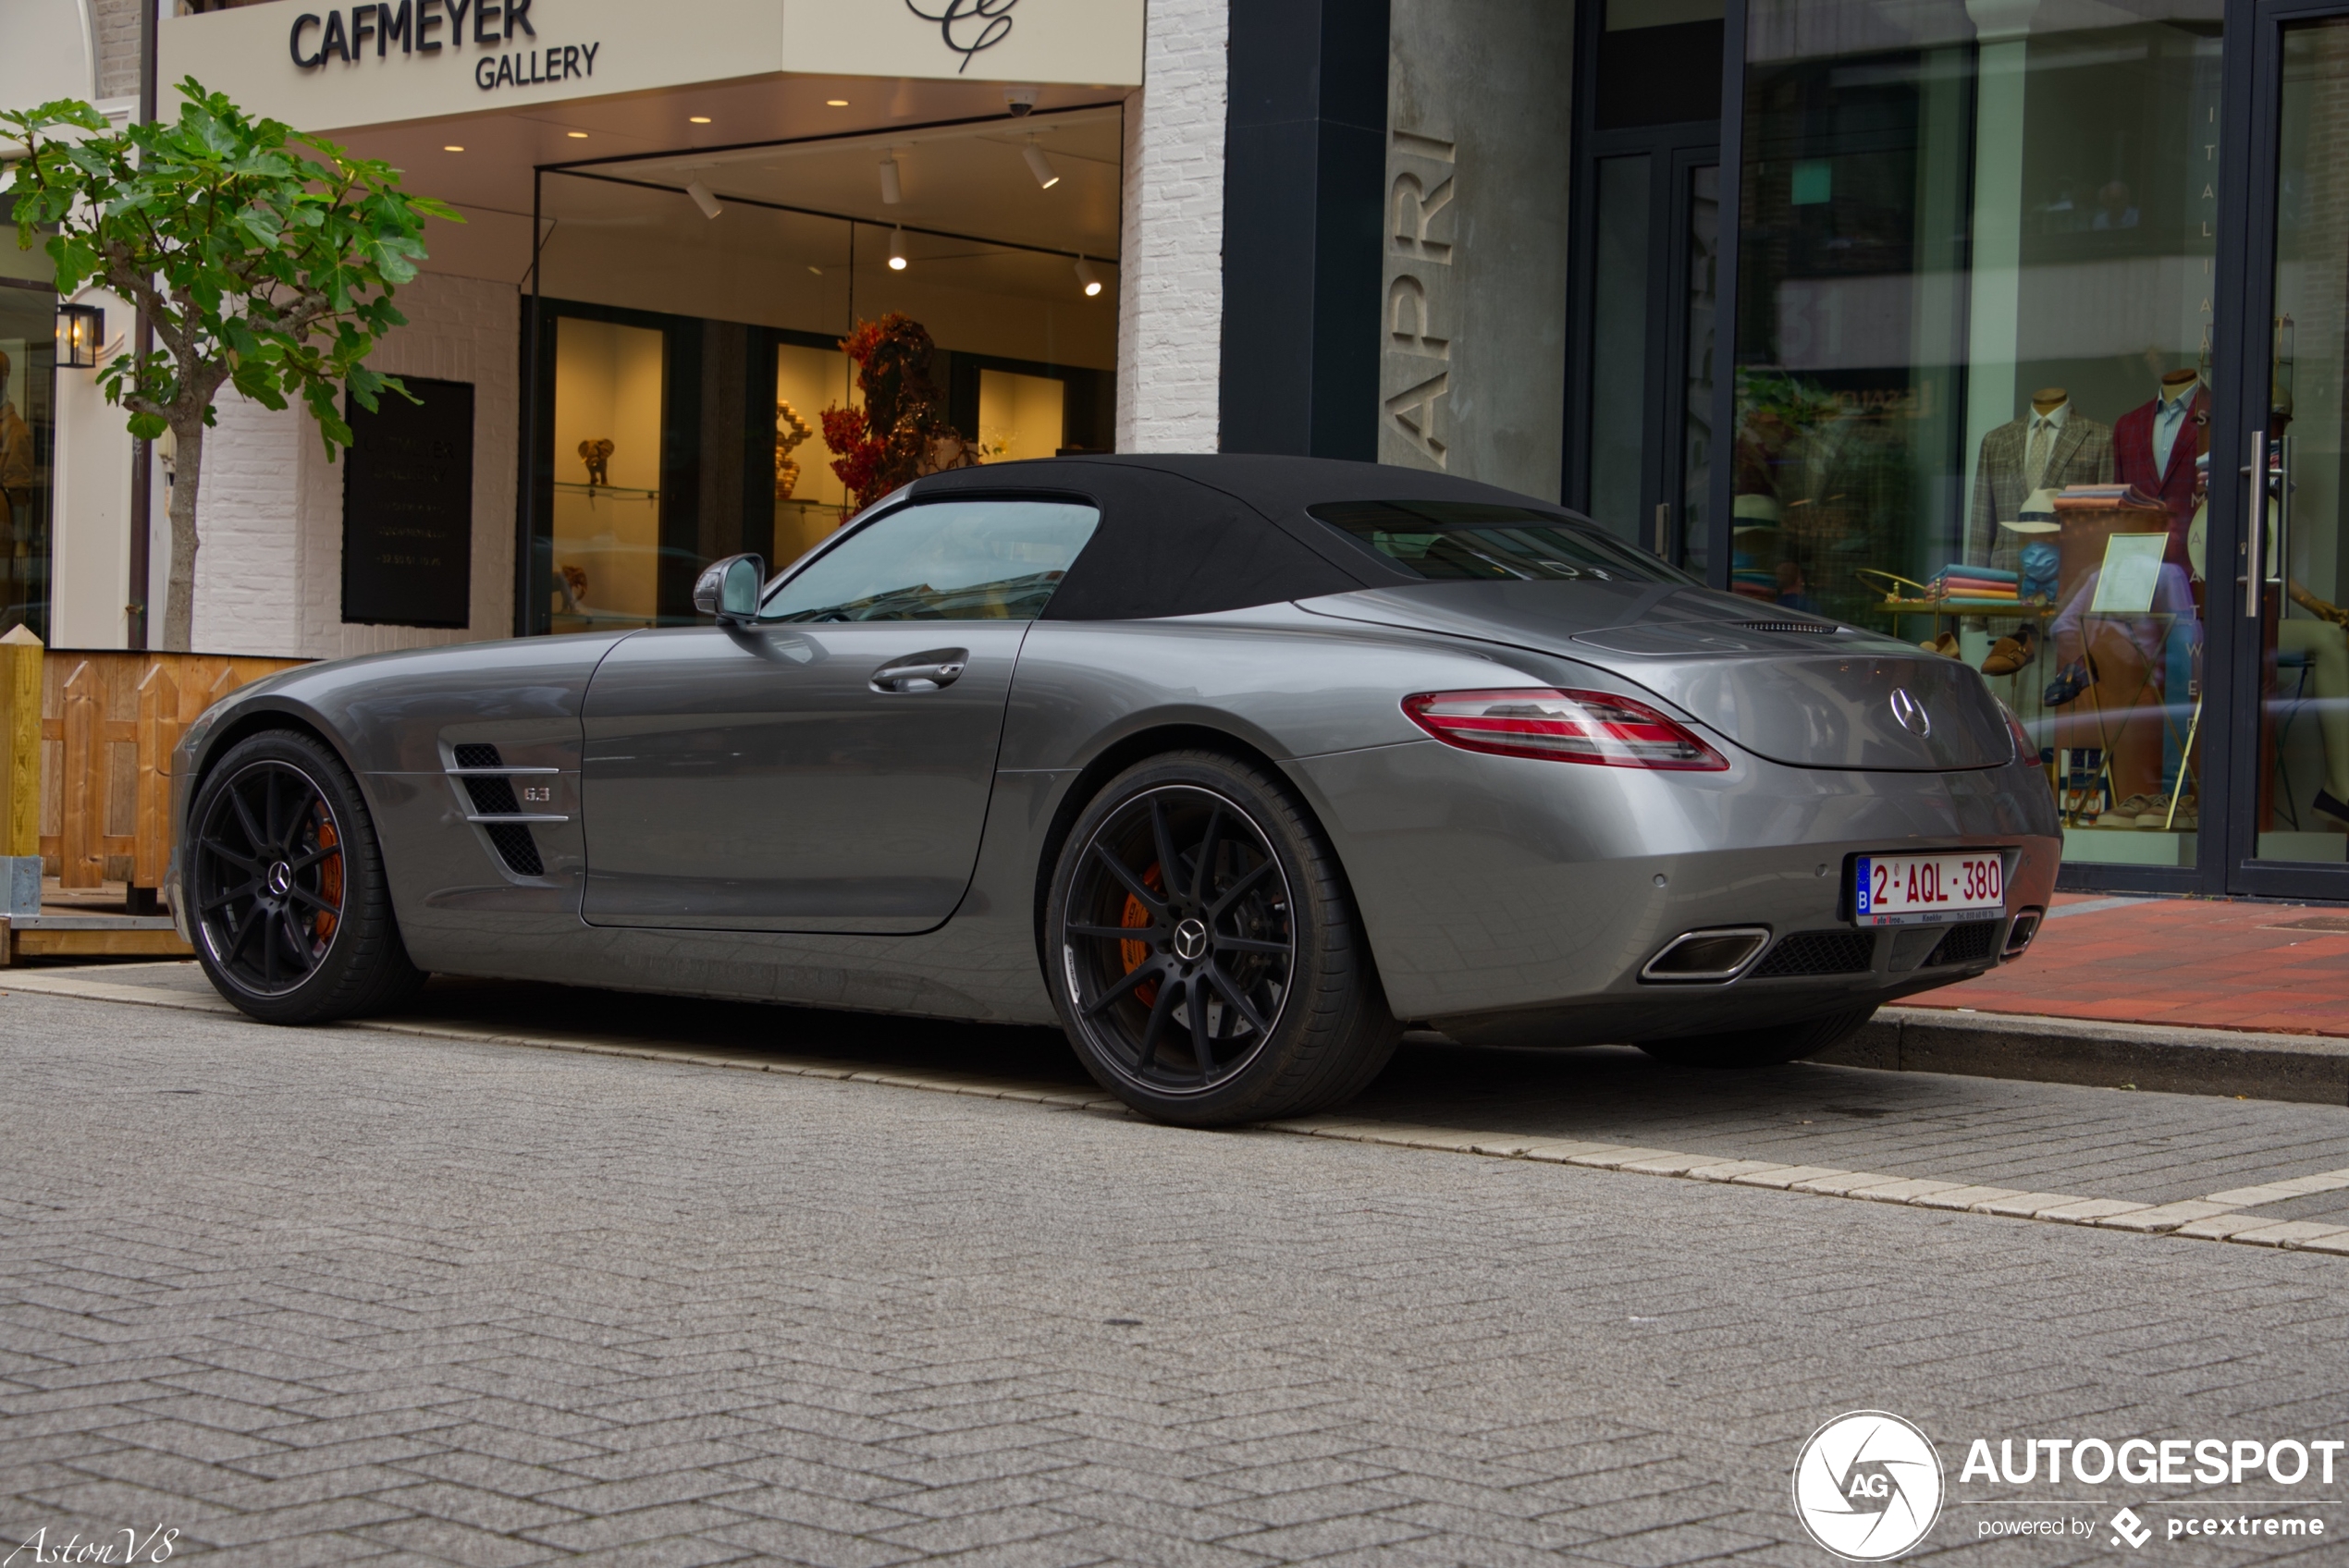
2184	996
2279	969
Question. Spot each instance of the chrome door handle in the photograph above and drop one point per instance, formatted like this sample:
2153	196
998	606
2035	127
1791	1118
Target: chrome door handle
922	672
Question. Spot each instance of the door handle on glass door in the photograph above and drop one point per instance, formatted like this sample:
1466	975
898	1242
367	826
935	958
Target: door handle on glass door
922	672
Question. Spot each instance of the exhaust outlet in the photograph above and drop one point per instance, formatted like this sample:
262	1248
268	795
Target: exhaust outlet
1707	957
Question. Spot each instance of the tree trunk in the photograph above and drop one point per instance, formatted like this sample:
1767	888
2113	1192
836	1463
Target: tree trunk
179	601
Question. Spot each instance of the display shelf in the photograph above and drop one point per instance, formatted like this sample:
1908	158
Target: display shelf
617	492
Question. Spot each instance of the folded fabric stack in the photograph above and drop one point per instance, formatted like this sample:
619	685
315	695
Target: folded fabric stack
1976	582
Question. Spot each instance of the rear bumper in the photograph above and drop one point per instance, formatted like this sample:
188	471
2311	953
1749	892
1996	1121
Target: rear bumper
1512	900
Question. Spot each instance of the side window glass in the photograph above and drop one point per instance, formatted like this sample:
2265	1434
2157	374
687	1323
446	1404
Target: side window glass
946	560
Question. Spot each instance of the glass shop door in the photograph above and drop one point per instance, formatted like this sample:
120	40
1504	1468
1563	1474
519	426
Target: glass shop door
2290	836
1647	395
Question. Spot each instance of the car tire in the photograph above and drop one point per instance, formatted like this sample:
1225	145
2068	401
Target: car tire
284	887
1247	990
1761	1047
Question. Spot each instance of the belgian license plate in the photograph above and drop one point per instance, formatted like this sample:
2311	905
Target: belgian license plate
1923	889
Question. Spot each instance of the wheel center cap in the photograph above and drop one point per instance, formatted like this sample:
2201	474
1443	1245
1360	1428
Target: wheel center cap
1190	941
280	878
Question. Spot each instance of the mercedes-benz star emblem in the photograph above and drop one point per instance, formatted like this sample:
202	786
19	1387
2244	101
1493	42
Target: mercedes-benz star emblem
280	878
1190	941
1910	714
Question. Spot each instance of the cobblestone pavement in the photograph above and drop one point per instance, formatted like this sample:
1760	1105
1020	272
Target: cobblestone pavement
314	1296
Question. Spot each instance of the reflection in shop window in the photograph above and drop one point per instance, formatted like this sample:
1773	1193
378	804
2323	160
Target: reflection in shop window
1971	345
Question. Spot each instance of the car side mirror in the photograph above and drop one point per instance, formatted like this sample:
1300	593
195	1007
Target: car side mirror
729	588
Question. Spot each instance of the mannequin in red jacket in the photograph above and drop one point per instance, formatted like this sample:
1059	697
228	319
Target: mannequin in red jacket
2136	460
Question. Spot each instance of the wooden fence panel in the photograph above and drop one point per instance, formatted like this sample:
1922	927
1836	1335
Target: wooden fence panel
109	721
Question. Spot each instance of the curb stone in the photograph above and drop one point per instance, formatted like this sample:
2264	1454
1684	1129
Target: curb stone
2310	1069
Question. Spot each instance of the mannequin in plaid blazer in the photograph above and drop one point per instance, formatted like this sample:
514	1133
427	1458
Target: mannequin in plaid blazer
2079	452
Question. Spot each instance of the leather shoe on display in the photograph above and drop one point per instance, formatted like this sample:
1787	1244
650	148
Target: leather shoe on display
2011	653
1945	645
2070	681
2332	806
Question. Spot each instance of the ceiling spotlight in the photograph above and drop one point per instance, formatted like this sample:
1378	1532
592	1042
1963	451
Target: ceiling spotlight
818	271
897	250
891	192
1040	165
1089	276
835	103
703	199
696	120
452	147
576	135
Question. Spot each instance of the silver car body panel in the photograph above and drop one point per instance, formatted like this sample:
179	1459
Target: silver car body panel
764	779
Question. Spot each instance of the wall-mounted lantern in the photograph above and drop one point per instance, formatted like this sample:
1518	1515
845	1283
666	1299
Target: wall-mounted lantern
80	328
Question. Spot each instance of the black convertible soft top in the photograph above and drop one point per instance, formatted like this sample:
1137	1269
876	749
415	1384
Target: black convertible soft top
1192	534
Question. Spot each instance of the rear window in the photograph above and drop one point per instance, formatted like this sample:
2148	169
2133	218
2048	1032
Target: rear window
1470	541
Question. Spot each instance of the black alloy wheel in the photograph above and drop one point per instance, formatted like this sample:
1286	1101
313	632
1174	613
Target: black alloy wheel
1210	965
269	877
284	887
1179	939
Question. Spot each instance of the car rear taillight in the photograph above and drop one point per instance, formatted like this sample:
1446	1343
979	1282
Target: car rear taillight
2025	748
1558	726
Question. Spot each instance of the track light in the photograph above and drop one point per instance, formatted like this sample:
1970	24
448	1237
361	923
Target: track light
897	250
1040	165
703	199
891	192
1089	276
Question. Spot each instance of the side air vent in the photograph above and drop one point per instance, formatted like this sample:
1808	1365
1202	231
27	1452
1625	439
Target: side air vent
1970	943
1818	953
491	791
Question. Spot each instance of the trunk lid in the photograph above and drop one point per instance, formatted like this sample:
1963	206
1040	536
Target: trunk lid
1791	688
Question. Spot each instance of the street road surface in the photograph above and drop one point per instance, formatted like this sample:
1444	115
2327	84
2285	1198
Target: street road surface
323	1296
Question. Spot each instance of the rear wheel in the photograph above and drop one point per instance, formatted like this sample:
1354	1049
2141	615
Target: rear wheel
284	886
1761	1047
1209	964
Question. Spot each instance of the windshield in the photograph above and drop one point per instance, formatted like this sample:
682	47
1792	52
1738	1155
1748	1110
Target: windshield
1470	541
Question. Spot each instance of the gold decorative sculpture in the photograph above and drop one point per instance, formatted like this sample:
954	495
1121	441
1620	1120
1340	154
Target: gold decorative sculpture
790	431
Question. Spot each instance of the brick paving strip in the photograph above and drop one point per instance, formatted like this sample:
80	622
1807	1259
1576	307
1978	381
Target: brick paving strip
2219	1217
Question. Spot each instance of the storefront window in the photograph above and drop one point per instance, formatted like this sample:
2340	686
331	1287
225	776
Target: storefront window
606	499
1973	339
2303	755
28	436
691	314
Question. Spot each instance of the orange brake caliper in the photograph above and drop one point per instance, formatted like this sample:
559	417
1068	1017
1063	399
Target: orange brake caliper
1134	954
329	881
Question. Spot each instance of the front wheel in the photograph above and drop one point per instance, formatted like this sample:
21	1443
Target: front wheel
1209	965
1761	1047
284	886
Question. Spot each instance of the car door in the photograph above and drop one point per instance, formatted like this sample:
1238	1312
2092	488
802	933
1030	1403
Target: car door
827	766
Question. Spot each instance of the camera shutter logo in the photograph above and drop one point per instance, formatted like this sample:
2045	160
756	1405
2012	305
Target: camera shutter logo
1867	1486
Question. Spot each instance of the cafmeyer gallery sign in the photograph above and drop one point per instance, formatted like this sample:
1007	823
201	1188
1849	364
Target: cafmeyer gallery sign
325	66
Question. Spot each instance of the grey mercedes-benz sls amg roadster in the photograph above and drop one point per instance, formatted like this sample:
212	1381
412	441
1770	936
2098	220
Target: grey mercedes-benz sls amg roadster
1233	767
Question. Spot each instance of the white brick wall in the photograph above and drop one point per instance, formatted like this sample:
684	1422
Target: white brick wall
116	25
1170	313
269	574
